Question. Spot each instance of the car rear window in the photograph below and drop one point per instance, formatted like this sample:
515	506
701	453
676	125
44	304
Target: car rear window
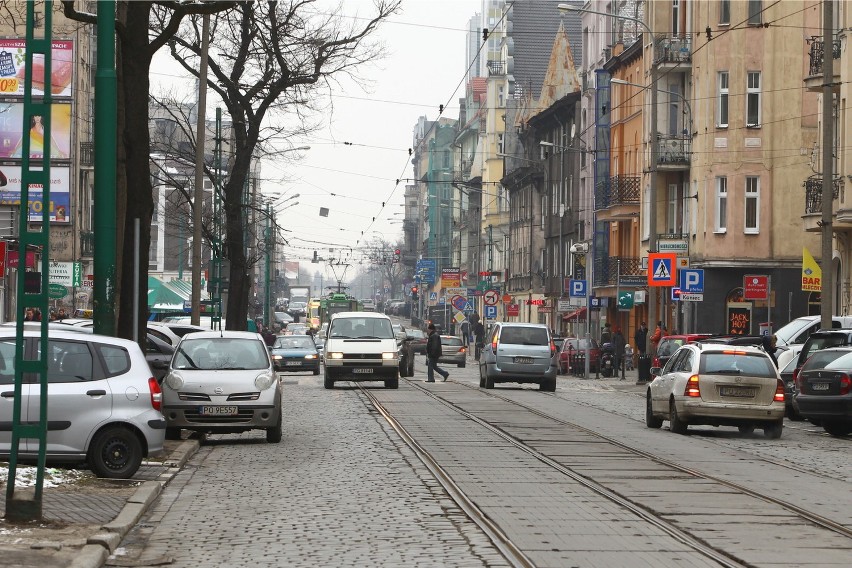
827	359
451	341
524	336
737	363
667	347
814	344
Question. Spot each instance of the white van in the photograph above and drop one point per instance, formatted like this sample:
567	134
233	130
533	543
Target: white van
360	346
797	331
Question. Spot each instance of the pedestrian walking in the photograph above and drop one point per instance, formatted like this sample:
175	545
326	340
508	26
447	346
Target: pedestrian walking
641	338
465	333
433	353
478	338
618	343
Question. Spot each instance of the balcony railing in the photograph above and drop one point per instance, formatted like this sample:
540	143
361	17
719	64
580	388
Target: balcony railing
813	194
607	270
673	49
463	173
87	154
87	243
674	150
618	190
818	55
496	68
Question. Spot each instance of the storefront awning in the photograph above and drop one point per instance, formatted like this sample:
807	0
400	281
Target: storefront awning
575	315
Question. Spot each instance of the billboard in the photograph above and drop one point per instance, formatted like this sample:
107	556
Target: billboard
59	207
12	68
12	135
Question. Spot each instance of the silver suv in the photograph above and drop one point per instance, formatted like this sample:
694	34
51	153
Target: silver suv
103	403
518	353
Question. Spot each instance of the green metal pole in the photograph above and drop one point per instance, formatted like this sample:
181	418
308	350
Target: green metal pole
106	115
267	296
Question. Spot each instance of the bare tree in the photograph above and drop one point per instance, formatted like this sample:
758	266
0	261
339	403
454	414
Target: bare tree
268	62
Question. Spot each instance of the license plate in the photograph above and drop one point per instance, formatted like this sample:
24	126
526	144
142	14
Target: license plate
524	360
293	363
219	410
360	371
820	386
738	392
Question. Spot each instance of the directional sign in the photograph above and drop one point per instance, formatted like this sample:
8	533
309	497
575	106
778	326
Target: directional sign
578	289
491	297
625	300
662	269
692	280
490	312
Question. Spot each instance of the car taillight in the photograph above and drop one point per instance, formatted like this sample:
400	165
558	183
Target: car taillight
656	362
779	391
156	393
845	384
552	349
463	350
797	378
494	344
692	388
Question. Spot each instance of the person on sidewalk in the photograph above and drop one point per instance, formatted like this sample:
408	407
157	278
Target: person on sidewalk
433	353
658	335
478	338
618	343
641	338
465	333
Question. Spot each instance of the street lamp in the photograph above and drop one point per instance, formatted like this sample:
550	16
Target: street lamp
655	147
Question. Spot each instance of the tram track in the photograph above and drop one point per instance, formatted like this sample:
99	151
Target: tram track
513	553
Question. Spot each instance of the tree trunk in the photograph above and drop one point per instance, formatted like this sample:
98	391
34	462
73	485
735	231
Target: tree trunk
236	312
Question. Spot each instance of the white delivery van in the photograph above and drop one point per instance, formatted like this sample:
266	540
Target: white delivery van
797	331
361	346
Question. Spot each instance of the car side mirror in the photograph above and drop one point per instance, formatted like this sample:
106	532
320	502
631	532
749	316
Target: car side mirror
656	371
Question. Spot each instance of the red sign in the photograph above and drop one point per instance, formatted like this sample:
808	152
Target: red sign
755	287
12	259
2	258
662	269
513	309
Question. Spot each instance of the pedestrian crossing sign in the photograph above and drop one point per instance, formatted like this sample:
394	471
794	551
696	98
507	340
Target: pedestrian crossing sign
662	269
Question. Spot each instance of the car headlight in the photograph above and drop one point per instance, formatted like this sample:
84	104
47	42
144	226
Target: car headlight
264	380
311	356
174	380
277	357
335	355
390	355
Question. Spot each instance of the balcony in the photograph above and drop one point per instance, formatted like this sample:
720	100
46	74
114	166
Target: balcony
814	81
87	154
87	243
673	50
463	173
607	270
674	152
618	197
841	211
496	68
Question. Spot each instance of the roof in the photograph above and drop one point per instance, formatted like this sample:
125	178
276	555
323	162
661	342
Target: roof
225	334
374	315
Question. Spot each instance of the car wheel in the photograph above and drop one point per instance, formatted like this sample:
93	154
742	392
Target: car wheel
837	428
793	414
651	421
391	383
173	434
411	366
773	430
481	377
462	365
316	371
746	428
489	382
328	382
547	386
676	425
115	453
273	435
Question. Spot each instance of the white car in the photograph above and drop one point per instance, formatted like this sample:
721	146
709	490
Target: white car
719	385
104	404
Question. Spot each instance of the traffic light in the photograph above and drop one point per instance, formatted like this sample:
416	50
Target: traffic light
414	293
315	259
396	254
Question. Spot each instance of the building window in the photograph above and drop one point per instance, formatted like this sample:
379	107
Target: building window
721	221
752	205
753	99
543	211
755	10
724	12
675	17
671	210
500	143
722	101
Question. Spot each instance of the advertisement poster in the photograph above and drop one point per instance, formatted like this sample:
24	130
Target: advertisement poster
60	203
12	135
12	68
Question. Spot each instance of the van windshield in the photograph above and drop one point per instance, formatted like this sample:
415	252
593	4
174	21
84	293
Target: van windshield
361	328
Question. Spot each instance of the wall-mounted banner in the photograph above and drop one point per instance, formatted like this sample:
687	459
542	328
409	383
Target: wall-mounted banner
811	273
12	135
12	68
59	207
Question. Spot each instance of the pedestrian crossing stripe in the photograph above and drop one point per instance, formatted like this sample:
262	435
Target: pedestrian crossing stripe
661	272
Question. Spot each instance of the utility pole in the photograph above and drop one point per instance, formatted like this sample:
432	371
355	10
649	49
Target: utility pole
826	308
198	190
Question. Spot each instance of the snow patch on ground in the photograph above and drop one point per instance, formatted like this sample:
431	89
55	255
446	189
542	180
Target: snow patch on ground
53	477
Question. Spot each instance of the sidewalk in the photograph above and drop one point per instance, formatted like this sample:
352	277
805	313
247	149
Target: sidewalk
84	522
630	382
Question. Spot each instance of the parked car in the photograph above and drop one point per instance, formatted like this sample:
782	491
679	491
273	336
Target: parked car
297	329
824	390
164	332
817	360
222	382
671	343
574	346
453	350
417	339
406	354
798	330
87	378
715	384
295	353
360	346
368	304
159	354
518	353
283	318
787	374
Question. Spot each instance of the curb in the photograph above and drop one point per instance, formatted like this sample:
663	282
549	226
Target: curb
99	546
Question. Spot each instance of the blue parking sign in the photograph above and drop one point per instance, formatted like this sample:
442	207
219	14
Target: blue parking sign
692	280
578	289
490	312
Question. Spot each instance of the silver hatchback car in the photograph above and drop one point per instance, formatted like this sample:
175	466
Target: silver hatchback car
518	353
222	382
103	403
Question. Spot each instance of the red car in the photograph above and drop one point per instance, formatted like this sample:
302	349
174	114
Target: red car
574	346
671	343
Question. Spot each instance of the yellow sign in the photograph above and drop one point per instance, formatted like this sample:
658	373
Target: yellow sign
811	273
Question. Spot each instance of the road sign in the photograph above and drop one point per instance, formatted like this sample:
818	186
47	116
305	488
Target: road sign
56	291
625	300
685	297
491	297
459	302
661	269
507	299
563	305
490	312
578	289
513	309
692	280
755	287
433	296
676	294
632	280
468	307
